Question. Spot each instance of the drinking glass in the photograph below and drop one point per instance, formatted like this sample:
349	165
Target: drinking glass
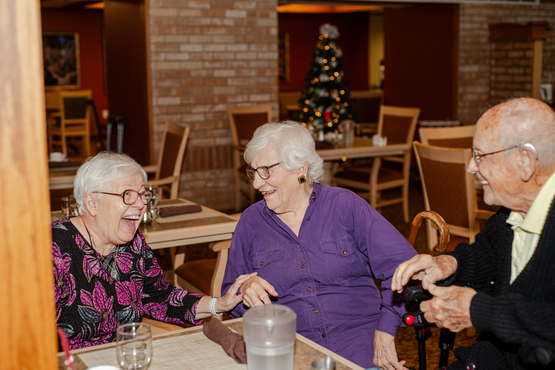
134	346
155	194
66	207
74	207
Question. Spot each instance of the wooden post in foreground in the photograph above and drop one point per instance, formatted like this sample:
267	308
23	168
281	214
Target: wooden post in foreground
27	319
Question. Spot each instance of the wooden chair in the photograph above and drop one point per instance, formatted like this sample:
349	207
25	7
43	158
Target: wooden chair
244	121
367	104
75	121
159	327
170	160
289	99
449	190
398	125
448	137
203	276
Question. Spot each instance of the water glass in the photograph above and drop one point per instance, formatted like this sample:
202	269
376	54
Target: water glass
134	346
325	363
155	194
69	206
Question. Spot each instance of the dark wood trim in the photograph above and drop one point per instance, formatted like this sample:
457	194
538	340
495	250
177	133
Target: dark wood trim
516	31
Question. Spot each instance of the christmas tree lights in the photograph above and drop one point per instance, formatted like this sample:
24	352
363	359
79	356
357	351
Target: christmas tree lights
325	100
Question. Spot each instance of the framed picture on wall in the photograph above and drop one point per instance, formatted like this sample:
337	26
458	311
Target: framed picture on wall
283	65
60	56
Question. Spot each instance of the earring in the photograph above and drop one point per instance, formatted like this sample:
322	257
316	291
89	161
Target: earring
302	179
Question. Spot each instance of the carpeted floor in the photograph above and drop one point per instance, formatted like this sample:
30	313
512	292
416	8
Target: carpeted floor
407	346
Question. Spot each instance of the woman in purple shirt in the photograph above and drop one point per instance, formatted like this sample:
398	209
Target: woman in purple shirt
317	249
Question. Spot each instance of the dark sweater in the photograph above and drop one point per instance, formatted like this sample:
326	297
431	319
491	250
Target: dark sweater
515	317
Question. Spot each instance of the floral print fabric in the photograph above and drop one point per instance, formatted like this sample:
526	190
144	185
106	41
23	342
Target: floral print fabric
90	304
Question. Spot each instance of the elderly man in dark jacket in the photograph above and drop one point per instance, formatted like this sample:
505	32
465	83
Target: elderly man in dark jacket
505	281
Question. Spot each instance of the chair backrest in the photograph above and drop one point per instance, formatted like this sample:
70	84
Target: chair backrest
245	120
448	188
172	152
74	107
398	124
367	104
287	98
448	137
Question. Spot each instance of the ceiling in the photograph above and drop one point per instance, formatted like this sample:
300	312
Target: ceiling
71	4
99	4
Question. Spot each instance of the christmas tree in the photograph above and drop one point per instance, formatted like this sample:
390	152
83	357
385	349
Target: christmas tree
325	100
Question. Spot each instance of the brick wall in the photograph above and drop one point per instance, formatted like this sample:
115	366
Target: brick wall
205	55
511	70
493	72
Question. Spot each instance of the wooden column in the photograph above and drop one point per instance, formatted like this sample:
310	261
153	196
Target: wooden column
537	56
27	319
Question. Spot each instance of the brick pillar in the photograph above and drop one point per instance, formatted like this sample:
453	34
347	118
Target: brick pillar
476	71
511	70
205	55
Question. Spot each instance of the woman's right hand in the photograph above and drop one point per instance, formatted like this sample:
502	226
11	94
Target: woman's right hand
255	292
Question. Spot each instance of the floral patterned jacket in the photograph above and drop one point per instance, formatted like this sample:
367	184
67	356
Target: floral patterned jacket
90	304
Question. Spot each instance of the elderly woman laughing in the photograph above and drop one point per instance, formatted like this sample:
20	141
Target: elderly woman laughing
317	249
105	274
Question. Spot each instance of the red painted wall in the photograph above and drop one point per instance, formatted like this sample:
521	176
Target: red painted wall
304	30
420	59
89	26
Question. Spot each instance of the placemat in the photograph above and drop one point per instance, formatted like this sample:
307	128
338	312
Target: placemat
187	216
193	351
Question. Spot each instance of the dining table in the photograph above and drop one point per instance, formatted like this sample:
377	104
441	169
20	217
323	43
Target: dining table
61	174
362	147
189	348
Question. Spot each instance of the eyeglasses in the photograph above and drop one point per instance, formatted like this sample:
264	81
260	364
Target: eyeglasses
478	157
130	196
264	174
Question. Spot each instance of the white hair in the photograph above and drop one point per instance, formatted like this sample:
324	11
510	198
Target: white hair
100	171
294	147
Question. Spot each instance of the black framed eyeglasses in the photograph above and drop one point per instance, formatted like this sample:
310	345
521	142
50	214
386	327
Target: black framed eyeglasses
262	171
130	196
478	157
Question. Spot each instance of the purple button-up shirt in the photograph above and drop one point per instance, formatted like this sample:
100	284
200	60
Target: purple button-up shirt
326	273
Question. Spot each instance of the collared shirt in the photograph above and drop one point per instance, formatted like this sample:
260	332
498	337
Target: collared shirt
527	230
325	274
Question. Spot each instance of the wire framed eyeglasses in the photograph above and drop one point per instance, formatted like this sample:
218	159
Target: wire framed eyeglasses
478	157
262	171
130	196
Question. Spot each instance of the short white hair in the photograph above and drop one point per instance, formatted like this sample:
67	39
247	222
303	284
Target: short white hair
99	172
294	147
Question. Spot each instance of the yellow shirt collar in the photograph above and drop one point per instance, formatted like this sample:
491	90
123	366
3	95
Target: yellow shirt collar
535	218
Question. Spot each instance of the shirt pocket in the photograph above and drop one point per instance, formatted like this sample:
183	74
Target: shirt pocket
266	259
342	261
344	246
276	268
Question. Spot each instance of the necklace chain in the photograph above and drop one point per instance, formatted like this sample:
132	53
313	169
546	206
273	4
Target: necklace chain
114	273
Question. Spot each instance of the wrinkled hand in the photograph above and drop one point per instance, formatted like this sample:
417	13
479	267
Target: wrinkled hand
385	355
450	307
423	267
255	292
231	298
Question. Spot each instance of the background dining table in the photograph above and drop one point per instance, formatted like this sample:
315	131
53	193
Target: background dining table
61	174
361	148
